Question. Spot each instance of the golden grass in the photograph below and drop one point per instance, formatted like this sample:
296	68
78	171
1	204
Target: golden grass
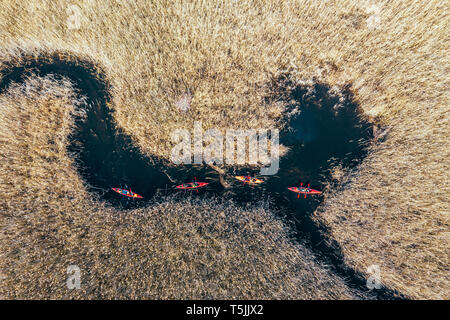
188	249
393	53
398	203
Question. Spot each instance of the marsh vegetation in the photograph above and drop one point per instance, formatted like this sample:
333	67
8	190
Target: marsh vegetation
392	56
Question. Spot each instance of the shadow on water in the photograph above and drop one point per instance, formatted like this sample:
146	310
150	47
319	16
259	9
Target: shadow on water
327	132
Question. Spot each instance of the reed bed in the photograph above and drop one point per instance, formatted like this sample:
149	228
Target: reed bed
392	211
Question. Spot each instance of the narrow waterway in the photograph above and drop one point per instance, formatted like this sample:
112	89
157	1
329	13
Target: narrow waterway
327	132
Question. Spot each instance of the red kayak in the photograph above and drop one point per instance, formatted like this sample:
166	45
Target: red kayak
249	180
191	185
127	193
304	190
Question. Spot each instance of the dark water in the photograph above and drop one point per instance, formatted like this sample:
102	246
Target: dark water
325	133
319	137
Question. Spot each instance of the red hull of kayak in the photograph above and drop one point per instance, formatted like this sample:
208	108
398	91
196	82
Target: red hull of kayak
190	185
304	190
127	193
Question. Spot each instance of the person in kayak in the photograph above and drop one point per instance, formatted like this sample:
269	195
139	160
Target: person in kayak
195	184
